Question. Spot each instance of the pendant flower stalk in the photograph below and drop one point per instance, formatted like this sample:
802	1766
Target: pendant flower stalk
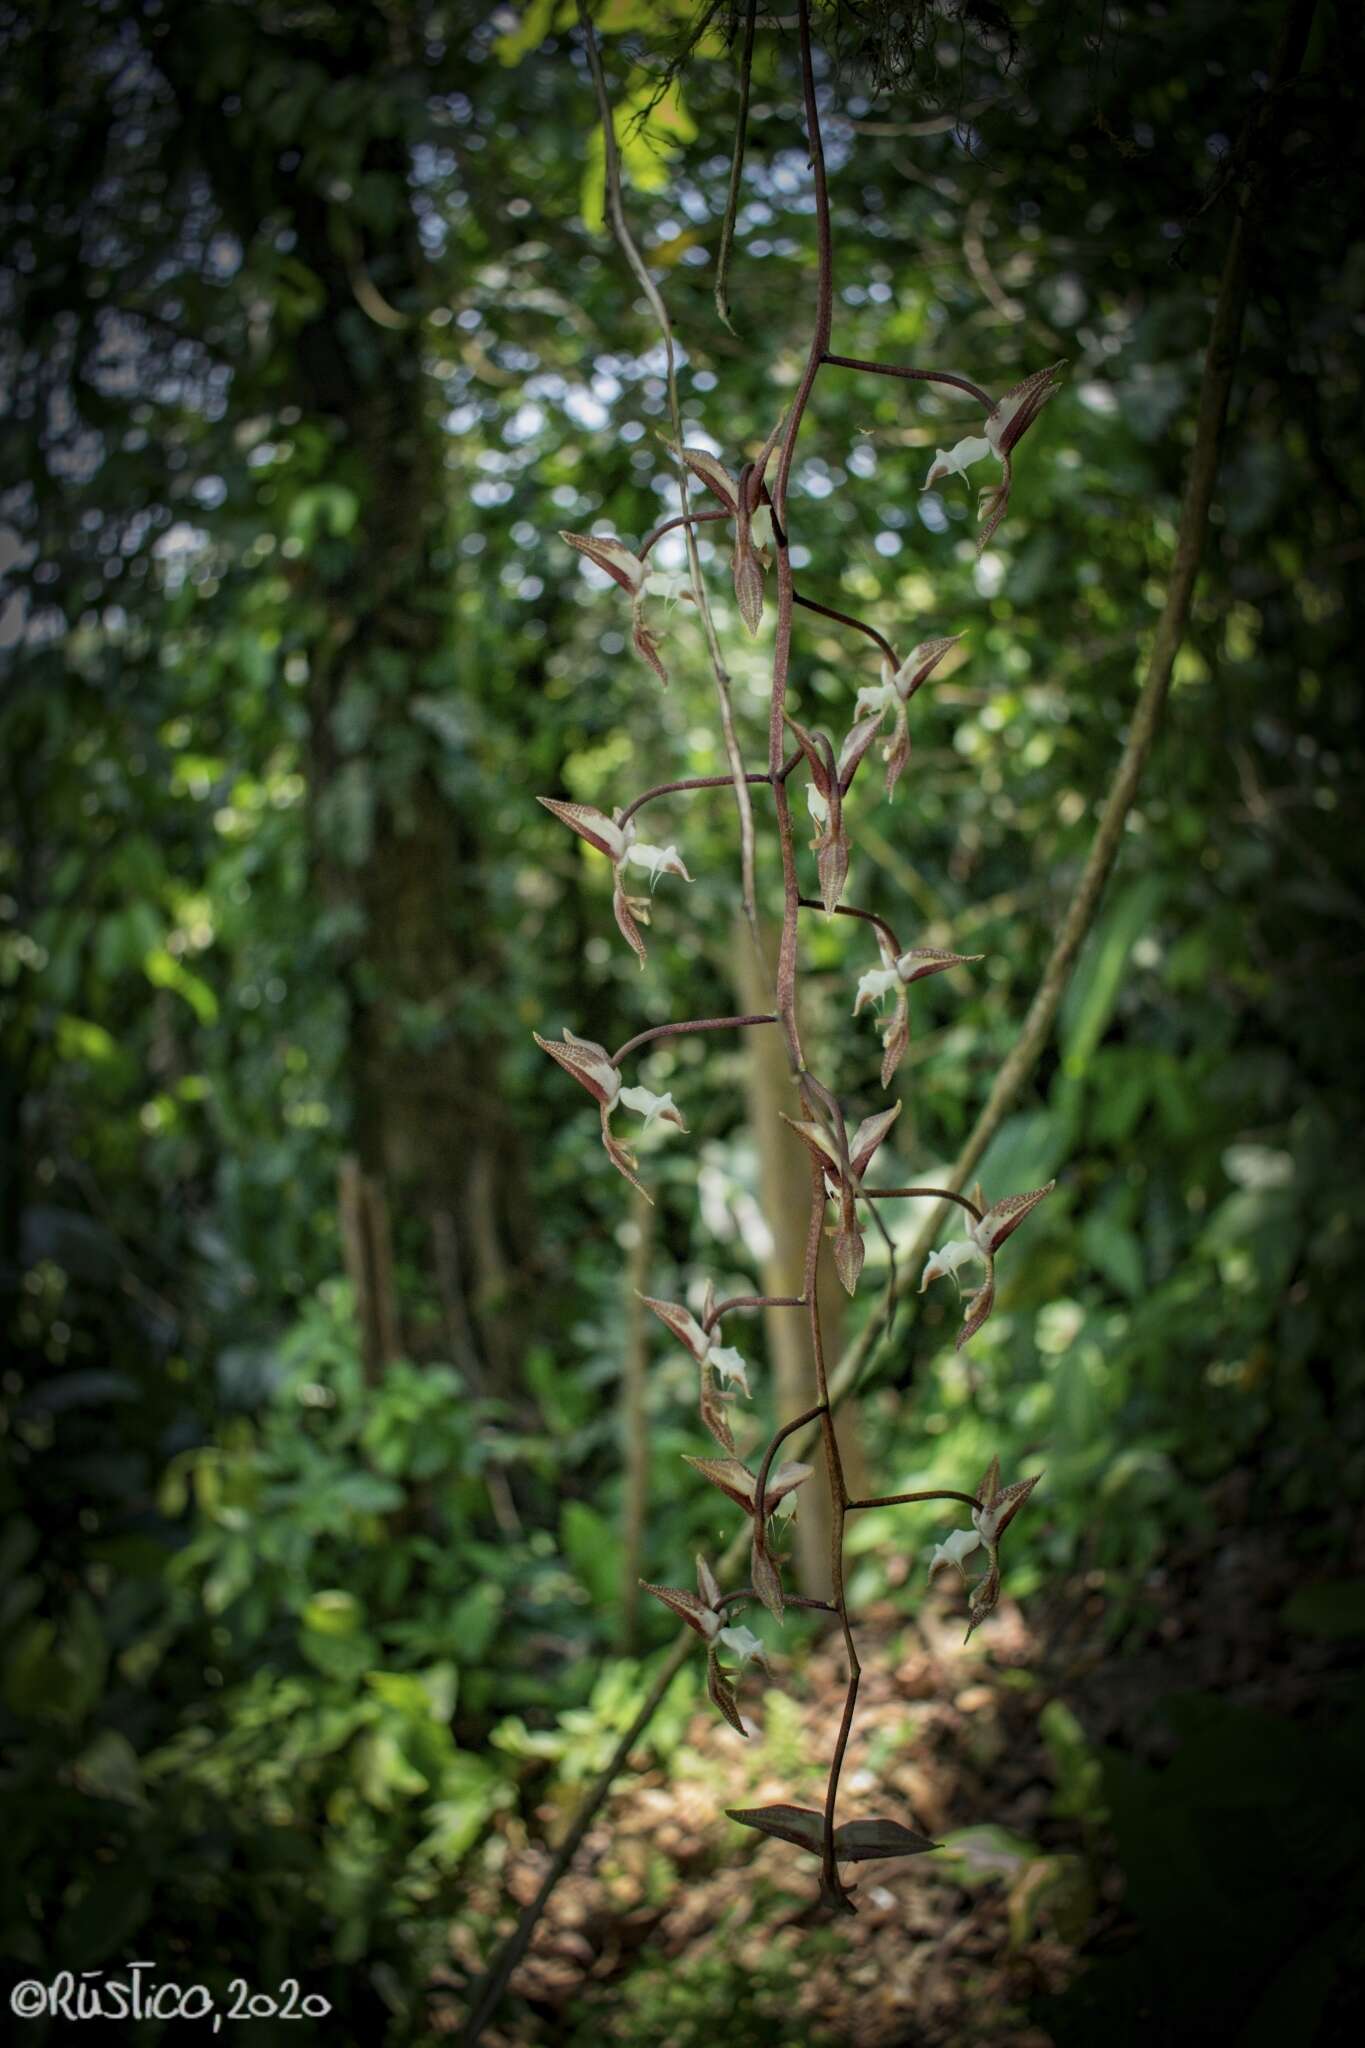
752	498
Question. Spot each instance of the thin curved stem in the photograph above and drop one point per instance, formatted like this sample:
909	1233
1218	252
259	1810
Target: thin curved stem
848	910
787	1429
898	1500
687	1024
917	376
824	289
688	782
723	1308
791	1599
678	519
942	1194
620	227
727	231
827	611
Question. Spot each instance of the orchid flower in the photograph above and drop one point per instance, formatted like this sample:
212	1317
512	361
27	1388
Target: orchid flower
893	977
753	524
703	1612
635	576
892	694
825	798
987	1233
713	1359
591	1065
1006	425
843	1188
996	1508
740	1485
619	844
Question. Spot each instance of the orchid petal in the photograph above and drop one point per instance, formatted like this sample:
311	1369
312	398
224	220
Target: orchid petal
953	1549
729	1364
651	1106
745	1644
957	460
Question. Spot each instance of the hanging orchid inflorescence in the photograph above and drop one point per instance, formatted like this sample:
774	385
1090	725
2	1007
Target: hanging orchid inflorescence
752	499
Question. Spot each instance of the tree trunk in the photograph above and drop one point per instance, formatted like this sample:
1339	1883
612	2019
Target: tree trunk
393	805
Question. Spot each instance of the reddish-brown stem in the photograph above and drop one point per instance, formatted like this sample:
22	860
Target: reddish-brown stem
824	289
790	1599
678	519
723	1308
939	1194
847	910
838	1492
897	1500
786	948
689	782
615	210
787	1429
727	232
808	604
918	376
688	1024
827	611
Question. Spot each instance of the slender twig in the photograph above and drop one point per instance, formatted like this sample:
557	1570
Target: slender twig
897	1500
787	1429
848	910
943	1195
727	231
827	611
721	675
1220	360
688	782
824	287
915	376
489	1990
656	534
686	1024
723	1308
792	1600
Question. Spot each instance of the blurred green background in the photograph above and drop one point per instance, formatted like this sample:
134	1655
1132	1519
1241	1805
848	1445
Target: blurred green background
313	340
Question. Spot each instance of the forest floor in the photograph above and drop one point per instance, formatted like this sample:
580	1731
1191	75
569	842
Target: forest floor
673	1929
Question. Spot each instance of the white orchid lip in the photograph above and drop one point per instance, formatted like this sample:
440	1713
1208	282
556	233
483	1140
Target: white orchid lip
651	1106
957	460
728	1362
875	697
959	1252
746	1645
655	860
670	584
876	983
953	1549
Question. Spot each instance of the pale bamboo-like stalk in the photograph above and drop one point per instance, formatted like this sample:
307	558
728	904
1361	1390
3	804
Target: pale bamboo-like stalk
634	1418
